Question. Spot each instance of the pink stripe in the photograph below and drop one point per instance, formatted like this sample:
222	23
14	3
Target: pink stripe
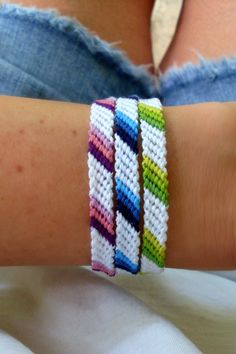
95	203
99	266
106	142
101	147
109	101
102	219
98	213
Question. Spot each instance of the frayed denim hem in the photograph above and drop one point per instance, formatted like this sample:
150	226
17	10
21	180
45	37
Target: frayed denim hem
103	52
209	80
45	55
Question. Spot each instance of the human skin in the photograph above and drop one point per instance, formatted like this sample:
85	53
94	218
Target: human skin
44	214
207	26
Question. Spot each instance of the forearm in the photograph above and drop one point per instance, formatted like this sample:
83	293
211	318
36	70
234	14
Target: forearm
201	154
44	215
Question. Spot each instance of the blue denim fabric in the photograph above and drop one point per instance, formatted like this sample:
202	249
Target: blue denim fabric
208	81
44	55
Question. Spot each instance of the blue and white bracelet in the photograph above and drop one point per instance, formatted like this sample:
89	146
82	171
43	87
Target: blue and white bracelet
127	185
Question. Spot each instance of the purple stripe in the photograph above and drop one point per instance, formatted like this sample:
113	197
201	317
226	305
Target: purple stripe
106	142
100	157
101	229
96	265
106	105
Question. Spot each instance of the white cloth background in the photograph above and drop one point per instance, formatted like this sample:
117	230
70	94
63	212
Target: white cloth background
71	310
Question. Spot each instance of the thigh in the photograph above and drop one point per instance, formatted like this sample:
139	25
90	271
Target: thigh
208	27
127	23
48	56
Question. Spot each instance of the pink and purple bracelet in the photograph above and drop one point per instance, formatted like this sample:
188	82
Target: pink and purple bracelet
101	169
114	182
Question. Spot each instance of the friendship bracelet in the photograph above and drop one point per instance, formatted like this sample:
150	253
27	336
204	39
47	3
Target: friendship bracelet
127	185
113	157
155	184
101	168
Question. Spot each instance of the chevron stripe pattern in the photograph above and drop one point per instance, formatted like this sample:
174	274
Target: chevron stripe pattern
101	169
127	185
155	185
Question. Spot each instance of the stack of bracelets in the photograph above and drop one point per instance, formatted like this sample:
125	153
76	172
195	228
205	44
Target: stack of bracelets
115	184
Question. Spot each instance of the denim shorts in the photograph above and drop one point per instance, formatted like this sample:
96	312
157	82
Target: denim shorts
48	56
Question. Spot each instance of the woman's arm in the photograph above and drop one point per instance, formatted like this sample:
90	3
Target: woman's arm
44	215
201	159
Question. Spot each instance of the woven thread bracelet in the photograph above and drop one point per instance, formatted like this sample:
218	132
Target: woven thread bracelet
101	169
113	157
155	185
127	185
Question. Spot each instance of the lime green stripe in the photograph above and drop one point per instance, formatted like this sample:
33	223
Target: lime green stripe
155	169
154	190
152	248
151	115
155	179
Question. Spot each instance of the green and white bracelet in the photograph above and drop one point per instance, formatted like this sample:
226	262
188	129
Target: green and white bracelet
155	185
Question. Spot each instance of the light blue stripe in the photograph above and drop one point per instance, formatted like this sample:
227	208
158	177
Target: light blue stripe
135	199
121	259
121	118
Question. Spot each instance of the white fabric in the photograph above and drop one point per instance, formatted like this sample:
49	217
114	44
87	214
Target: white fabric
71	310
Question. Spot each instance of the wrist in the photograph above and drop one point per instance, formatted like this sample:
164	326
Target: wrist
44	183
199	163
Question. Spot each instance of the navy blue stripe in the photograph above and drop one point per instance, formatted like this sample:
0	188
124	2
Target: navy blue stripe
100	157
134	97
102	230
126	138
128	124
127	214
120	185
128	203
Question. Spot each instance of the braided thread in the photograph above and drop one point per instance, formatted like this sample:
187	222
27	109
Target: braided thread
127	185
155	185
101	168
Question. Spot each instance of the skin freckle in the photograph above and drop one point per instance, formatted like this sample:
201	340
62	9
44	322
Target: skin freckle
74	132
41	121
21	131
19	168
